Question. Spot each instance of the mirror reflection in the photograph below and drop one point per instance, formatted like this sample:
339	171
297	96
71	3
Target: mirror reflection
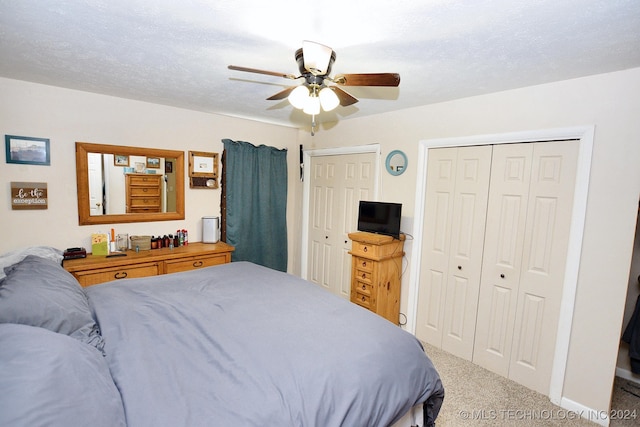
396	162
119	184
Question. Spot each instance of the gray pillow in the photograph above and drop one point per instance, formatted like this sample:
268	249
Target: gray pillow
14	257
49	379
39	292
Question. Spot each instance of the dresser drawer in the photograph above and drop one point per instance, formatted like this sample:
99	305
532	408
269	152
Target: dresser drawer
144	180
145	191
93	277
145	202
377	252
144	210
195	263
364	264
364	300
363	275
363	288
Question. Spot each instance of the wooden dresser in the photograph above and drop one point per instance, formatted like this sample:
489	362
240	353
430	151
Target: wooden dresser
376	271
98	269
143	192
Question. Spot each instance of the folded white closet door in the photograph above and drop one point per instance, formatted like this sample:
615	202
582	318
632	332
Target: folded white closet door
528	221
436	240
454	221
465	254
504	238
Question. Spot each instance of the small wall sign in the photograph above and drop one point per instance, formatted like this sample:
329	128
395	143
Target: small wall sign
29	195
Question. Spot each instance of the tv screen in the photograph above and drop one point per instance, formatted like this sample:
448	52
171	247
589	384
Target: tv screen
380	217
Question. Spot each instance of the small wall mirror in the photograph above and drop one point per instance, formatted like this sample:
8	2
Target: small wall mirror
396	162
118	184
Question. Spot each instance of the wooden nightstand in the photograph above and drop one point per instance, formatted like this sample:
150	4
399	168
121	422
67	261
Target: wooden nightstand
376	271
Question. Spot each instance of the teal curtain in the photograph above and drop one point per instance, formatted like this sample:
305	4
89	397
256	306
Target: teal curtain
256	197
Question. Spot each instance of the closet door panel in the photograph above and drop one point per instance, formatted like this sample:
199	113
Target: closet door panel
544	262
441	175
502	260
467	240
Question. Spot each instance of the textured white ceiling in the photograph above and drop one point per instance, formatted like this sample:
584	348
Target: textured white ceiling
176	52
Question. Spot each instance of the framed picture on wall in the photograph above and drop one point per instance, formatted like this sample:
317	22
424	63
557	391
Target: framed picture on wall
27	150
120	160
153	162
203	169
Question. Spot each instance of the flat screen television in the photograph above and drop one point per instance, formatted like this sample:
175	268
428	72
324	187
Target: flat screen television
380	217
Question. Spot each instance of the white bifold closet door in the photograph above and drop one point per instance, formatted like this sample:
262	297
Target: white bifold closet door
457	191
513	284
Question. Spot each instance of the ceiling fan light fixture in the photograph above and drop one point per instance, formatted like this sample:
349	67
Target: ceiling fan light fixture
316	57
298	97
312	106
328	99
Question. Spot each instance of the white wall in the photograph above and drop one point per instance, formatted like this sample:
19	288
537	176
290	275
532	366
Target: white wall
66	116
608	101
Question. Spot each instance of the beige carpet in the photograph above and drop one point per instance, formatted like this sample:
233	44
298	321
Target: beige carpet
477	397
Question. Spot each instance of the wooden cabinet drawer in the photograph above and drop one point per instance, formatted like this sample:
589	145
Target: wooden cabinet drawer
145	191
144	210
377	252
363	288
364	300
146	202
363	275
364	264
194	263
144	180
93	277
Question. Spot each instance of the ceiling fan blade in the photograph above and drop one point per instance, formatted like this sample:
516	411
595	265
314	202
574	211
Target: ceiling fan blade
344	97
268	73
372	79
282	94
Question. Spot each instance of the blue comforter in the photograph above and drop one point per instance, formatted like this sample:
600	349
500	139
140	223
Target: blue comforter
243	345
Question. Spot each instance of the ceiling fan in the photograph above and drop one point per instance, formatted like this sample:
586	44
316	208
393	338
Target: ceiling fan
314	63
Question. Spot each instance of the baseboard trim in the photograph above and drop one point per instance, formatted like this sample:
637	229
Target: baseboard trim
627	375
598	417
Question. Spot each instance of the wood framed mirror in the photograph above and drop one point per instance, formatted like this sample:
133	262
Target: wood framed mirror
119	184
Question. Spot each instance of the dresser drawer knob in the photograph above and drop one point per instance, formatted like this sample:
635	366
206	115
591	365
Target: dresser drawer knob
197	264
120	275
365	249
364	275
364	263
364	287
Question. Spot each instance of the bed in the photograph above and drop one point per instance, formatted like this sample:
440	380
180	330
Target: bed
231	345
